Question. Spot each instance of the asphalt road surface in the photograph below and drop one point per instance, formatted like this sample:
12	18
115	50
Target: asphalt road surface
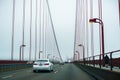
61	72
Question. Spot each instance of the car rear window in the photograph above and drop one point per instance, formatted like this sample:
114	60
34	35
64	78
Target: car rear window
42	60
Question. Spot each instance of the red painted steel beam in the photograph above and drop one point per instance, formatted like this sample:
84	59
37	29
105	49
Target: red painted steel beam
12	62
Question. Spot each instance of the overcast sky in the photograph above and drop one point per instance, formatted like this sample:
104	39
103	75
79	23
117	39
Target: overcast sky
63	15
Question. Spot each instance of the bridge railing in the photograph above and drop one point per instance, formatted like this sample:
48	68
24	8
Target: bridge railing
6	65
114	59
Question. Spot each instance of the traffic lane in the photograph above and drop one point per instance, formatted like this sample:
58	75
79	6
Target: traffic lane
27	74
71	72
66	72
50	76
61	72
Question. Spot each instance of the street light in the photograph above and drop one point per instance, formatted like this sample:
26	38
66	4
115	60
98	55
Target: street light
21	46
48	56
83	52
97	20
75	57
39	53
78	55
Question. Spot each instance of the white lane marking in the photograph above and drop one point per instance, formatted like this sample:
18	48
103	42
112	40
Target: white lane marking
7	76
14	73
55	72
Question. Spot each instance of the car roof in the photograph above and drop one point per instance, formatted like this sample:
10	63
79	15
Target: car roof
42	59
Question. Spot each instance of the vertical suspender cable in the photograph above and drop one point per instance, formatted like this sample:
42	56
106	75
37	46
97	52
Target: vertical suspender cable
23	25
36	31
30	30
80	24
83	25
13	23
74	57
100	17
78	28
79	14
43	32
45	28
92	38
87	28
40	30
53	30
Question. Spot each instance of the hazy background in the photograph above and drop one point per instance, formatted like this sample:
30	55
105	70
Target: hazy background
63	14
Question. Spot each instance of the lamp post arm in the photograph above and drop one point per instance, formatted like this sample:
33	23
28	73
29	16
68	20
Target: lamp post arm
97	20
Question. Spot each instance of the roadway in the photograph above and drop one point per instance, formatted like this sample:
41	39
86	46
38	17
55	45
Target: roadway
61	72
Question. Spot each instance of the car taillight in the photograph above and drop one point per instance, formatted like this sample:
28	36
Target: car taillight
46	64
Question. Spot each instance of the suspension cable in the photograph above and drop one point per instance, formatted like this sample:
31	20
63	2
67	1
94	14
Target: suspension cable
92	38
53	30
13	24
40	30
23	25
43	32
75	36
100	17
36	31
30	30
87	38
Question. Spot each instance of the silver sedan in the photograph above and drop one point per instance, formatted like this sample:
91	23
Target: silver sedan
42	64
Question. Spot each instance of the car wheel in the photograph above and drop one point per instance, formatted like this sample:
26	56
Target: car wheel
52	70
34	71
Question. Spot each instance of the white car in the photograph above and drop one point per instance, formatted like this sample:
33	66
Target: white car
42	64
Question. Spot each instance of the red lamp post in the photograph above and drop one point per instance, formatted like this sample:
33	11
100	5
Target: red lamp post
97	20
21	46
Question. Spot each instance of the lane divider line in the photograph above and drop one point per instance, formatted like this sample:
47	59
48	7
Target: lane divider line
55	72
7	76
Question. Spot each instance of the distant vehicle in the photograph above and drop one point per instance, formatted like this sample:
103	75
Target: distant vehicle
66	62
42	64
61	63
